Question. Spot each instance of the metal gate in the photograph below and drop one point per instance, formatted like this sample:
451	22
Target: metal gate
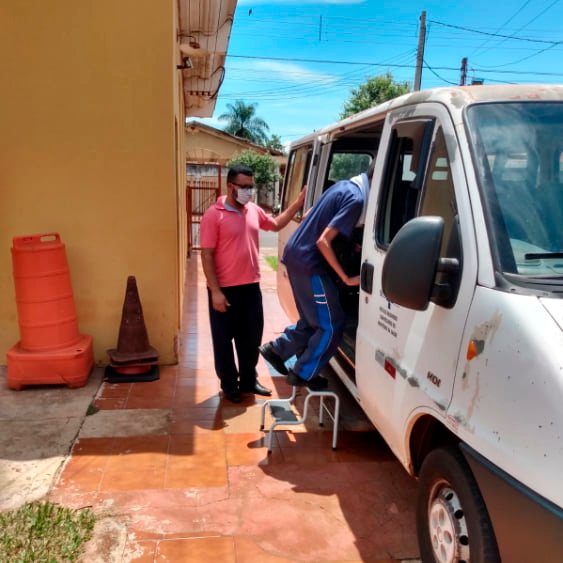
202	189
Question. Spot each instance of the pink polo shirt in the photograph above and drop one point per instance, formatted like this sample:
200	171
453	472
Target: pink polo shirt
234	236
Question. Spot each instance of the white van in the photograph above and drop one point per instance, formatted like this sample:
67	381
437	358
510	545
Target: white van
454	340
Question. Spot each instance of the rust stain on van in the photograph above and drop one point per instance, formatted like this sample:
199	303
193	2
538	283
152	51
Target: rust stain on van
474	399
488	328
482	335
462	421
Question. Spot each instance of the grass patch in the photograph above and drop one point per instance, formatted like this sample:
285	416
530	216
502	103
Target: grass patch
92	409
44	532
272	261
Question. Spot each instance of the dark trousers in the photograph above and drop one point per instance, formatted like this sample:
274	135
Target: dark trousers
318	332
243	323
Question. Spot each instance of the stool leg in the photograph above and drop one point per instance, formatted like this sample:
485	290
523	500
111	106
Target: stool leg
336	416
265	404
321	411
270	434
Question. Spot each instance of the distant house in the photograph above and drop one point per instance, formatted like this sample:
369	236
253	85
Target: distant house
208	147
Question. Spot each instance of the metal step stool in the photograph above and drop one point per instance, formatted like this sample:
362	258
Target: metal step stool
282	415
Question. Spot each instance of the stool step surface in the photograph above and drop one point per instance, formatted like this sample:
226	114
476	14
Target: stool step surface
282	412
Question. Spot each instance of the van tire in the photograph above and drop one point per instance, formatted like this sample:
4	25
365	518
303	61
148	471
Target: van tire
452	521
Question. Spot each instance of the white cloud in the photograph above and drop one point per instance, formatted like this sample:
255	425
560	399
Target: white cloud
290	72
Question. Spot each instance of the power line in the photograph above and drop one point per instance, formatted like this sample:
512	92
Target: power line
394	65
320	61
437	75
478	31
520	29
503	25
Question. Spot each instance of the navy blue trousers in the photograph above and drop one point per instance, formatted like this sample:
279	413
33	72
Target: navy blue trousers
318	332
243	324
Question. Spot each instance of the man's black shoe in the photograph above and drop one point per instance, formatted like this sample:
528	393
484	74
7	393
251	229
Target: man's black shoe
317	383
294	380
273	358
233	396
257	389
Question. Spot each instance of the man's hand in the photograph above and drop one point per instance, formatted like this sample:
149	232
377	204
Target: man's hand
219	301
302	195
285	216
353	281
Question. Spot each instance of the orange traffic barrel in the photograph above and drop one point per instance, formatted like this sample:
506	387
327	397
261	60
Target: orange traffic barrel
45	302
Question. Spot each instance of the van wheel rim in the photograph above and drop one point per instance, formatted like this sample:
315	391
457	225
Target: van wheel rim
447	526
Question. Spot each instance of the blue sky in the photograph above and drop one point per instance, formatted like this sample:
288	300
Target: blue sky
299	59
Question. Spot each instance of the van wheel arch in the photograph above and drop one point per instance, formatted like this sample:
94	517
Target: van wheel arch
426	435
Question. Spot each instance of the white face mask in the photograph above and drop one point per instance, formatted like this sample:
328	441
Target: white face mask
244	195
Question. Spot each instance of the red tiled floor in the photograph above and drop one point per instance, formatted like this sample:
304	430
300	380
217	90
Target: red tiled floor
250	449
197	550
204	488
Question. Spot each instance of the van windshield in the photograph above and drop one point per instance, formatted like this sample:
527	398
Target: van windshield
519	164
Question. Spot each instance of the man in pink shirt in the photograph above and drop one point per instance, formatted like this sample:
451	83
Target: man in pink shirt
229	241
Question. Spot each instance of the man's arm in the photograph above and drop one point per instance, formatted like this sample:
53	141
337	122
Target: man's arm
218	299
285	217
324	244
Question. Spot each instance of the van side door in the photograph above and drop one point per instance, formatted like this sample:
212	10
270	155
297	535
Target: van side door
301	169
406	359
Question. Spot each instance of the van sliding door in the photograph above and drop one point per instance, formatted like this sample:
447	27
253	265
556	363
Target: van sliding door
298	174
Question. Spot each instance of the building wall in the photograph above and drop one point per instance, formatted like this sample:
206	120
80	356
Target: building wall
205	147
89	147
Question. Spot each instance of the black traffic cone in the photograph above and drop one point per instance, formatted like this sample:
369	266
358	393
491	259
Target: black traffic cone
134	359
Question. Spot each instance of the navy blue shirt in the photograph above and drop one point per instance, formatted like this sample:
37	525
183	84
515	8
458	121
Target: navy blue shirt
339	207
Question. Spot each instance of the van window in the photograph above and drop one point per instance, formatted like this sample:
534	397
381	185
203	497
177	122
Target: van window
406	161
519	167
296	176
438	190
346	165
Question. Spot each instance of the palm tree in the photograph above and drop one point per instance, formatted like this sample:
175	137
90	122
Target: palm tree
242	122
275	142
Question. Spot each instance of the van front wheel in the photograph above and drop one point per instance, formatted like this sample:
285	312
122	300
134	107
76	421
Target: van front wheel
451	518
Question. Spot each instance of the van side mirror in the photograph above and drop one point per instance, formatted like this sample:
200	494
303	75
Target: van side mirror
411	263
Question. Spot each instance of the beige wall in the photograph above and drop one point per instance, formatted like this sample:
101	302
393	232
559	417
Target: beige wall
202	146
88	113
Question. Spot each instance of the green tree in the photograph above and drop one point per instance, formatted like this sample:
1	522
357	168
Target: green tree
275	142
375	91
346	165
242	121
264	167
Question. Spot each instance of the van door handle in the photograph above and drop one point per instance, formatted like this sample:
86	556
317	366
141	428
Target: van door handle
366	277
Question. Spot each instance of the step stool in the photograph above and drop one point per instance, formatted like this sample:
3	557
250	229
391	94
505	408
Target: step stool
282	415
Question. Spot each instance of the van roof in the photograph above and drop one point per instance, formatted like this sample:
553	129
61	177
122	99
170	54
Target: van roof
456	98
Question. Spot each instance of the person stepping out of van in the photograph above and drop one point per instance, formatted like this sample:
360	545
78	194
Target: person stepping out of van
309	258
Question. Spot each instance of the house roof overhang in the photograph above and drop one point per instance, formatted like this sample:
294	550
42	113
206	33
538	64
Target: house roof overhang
203	37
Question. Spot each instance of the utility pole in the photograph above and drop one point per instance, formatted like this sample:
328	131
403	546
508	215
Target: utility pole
463	76
420	51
